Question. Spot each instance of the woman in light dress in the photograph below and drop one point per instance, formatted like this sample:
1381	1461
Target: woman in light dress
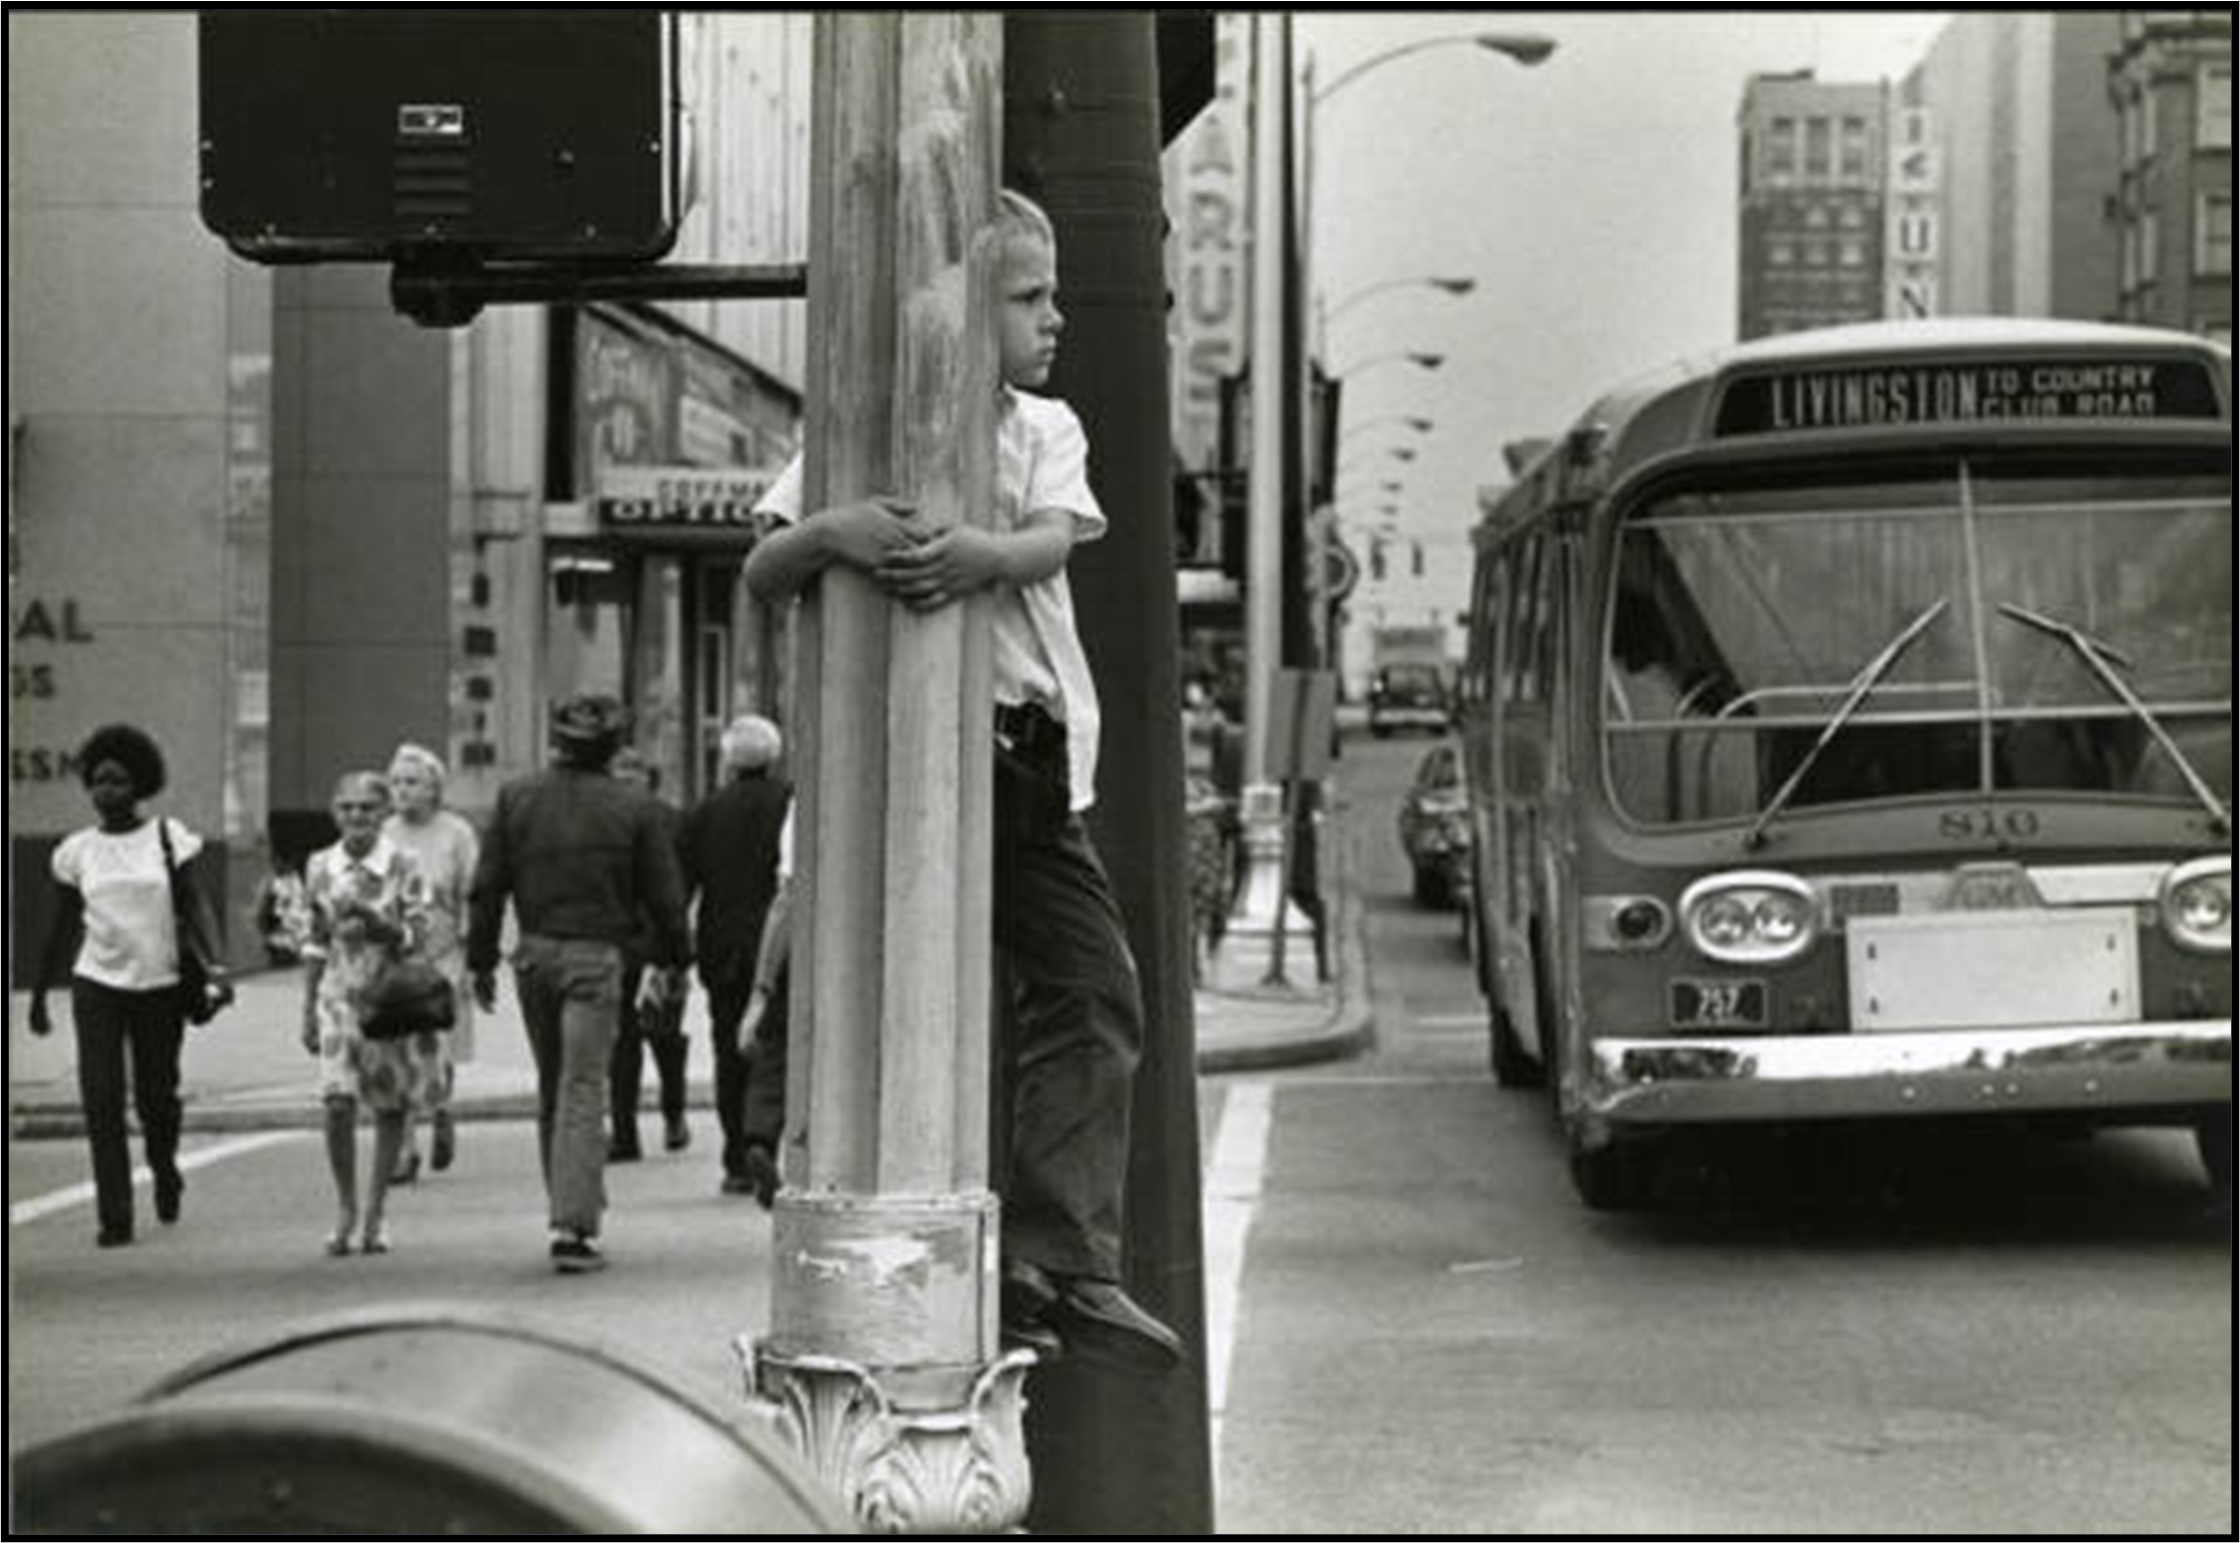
367	901
443	846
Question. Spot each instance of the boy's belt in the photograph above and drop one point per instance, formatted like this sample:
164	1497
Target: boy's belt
1027	729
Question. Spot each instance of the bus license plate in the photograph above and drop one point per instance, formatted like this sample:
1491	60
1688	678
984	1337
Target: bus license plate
1718	1004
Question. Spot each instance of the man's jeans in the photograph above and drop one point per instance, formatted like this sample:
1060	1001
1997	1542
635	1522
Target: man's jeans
571	1004
1075	1031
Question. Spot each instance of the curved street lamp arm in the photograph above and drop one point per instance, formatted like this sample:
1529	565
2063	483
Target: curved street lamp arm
1527	48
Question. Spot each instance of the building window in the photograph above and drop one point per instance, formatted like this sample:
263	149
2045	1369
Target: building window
2212	128
1851	252
2138	129
1781	148
1781	254
2212	235
1819	158
1854	149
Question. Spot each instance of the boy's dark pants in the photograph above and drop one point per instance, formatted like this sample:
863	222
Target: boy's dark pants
1075	1032
127	1039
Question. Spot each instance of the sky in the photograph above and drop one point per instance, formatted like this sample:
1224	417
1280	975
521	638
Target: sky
1592	198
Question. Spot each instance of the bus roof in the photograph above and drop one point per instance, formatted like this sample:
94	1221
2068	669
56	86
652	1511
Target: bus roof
1684	390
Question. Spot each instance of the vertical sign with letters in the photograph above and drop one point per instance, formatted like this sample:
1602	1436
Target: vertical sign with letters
1910	264
1209	262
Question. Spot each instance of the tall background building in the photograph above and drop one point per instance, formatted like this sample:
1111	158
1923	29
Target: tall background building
2169	83
2061	163
282	528
1813	167
2018	108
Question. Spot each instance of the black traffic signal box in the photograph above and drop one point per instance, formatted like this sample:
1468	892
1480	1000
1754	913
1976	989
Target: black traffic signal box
445	134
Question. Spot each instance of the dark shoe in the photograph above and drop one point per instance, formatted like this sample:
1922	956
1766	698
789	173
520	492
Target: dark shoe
408	1168
1027	1297
623	1152
1037	1337
576	1255
1104	1323
169	1187
443	1145
762	1175
737	1184
678	1136
1094	1317
112	1237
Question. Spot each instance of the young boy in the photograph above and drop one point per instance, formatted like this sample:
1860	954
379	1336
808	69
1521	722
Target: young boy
1076	1027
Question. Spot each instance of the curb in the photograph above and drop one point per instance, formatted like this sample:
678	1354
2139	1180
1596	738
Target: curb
1348	1030
1351	1026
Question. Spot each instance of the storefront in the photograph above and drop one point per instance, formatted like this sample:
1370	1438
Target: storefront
660	444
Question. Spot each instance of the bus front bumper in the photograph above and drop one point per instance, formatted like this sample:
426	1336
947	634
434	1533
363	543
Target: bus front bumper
2090	1069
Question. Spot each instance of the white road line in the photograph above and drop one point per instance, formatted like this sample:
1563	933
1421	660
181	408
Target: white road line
202	1157
1476	1020
1232	1193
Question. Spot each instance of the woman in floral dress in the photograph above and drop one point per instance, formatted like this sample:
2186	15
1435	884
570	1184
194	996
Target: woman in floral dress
367	899
443	847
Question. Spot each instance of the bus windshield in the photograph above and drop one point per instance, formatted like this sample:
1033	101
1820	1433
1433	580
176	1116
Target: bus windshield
1986	626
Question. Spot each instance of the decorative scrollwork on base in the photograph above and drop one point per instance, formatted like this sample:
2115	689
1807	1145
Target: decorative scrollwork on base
907	1470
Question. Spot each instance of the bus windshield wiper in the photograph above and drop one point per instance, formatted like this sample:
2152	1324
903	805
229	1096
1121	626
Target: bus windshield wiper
2102	660
1869	676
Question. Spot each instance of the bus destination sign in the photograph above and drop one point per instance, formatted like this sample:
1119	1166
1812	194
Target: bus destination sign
1808	399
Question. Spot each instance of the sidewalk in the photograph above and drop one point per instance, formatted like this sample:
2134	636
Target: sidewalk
246	1070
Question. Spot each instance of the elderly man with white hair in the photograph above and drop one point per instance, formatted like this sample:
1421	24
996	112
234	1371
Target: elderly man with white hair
729	847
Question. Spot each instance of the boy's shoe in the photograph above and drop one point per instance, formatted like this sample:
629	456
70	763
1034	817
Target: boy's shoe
408	1167
576	1254
443	1145
678	1136
623	1151
169	1187
1104	1323
1094	1317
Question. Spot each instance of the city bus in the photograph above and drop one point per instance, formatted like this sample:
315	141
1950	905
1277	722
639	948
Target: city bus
1847	723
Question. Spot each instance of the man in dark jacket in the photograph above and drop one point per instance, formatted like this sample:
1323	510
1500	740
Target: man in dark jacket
729	848
586	860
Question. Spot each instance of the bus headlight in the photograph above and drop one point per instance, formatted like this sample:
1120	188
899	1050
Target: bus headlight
1750	917
2196	904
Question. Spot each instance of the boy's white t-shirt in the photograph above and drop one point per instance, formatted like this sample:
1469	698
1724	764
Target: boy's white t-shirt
1042	462
131	932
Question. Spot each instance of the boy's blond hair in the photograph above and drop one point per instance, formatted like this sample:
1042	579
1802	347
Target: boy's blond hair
1019	215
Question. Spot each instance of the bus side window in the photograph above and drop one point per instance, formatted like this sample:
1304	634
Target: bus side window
1522	624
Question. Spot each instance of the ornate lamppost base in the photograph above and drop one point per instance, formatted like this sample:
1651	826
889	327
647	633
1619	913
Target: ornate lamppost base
903	1469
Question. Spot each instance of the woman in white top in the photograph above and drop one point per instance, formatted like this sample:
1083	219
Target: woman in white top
443	846
114	894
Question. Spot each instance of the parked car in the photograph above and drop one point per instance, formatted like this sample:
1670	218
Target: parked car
1435	829
1408	696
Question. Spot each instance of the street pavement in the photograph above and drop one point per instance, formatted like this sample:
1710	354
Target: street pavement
247	1069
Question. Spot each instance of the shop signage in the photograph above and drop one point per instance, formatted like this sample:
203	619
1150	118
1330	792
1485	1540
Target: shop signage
647	498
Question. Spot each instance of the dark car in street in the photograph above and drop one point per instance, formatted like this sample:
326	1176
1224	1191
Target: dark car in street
1435	829
1408	696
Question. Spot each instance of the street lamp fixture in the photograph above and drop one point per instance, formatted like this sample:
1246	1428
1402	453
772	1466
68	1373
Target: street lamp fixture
1421	361
1457	285
1526	48
1419	425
